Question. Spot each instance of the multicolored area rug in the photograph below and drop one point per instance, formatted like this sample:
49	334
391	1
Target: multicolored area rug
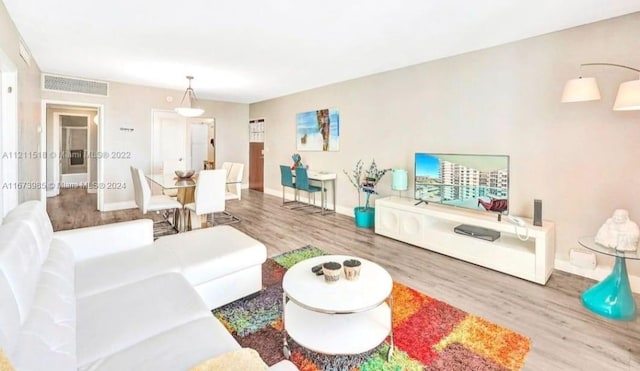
429	334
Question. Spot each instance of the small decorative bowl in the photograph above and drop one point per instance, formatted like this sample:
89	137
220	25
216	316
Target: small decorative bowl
352	269
331	271
183	174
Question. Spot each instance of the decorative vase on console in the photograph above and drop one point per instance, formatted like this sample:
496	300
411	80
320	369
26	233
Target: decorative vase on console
365	182
618	232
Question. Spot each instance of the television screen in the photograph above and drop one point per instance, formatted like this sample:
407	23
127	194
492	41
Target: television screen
479	182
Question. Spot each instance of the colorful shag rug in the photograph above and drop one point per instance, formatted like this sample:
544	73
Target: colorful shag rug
429	334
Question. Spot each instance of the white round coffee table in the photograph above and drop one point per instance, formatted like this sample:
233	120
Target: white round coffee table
343	317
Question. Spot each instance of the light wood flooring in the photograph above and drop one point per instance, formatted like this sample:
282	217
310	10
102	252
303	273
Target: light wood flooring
564	335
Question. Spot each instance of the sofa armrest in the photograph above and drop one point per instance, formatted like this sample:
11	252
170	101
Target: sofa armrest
93	242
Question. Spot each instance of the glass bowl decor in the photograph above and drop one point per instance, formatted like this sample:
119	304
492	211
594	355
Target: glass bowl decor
183	174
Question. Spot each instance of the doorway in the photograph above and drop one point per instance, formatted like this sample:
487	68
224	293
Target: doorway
74	149
72	136
256	154
203	149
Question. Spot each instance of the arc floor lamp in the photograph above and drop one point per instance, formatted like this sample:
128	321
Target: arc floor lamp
586	89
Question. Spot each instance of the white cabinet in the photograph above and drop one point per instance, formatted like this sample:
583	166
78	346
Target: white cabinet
430	226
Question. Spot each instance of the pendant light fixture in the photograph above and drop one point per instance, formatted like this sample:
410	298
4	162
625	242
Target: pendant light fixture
188	109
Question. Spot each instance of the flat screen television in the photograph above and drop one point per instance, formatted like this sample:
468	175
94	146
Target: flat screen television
478	182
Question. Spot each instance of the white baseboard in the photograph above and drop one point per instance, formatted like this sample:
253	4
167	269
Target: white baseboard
113	206
289	196
598	274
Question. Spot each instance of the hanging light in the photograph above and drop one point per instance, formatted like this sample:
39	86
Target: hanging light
188	110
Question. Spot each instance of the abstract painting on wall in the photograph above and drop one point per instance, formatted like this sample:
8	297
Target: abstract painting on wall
318	130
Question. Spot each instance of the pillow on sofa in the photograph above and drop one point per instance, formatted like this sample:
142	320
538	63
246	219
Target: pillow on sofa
236	360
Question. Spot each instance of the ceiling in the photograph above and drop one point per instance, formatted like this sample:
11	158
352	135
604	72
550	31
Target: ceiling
252	50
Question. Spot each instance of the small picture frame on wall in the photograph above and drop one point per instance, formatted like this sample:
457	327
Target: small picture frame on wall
318	130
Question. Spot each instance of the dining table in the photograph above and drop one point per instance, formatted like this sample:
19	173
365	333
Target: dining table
323	177
185	186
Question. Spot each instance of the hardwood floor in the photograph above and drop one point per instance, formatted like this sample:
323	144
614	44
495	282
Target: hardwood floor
564	335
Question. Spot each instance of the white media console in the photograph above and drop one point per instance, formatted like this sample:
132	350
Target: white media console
431	227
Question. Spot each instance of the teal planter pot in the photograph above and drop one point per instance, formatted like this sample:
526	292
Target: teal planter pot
612	297
365	218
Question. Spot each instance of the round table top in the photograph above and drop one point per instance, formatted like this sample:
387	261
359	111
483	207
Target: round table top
343	296
591	244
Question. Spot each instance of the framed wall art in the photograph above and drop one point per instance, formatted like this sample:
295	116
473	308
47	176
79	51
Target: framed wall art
318	130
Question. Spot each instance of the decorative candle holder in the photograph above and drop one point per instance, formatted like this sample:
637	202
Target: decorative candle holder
331	271
352	269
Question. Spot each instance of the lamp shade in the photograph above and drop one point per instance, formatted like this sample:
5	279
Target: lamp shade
399	180
189	112
581	90
628	98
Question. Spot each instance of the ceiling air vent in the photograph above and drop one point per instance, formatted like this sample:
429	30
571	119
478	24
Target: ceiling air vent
73	85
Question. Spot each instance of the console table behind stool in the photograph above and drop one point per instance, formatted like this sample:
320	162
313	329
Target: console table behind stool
612	297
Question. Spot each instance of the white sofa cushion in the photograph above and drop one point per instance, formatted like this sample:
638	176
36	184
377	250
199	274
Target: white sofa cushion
20	263
174	349
101	240
209	253
47	340
35	215
114	320
111	271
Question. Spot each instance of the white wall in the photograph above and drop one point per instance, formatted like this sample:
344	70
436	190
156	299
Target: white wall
130	106
28	104
580	159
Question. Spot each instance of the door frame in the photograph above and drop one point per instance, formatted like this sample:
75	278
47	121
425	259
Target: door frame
257	135
9	128
100	144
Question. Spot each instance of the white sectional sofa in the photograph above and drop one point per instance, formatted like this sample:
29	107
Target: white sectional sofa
110	298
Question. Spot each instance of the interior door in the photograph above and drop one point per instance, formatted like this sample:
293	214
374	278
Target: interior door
170	140
256	166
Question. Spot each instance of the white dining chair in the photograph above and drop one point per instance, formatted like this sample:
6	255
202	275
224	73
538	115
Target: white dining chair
227	167
148	203
234	182
169	167
209	194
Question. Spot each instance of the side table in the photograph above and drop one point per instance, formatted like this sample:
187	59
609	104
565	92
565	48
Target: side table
612	297
343	317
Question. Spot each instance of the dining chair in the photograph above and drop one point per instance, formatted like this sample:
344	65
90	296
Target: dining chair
209	195
146	202
169	167
234	181
286	180
227	167
233	189
302	184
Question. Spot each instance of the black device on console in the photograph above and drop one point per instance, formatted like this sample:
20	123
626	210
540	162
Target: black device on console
477	232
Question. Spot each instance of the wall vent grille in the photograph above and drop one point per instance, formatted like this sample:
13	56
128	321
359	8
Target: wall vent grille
74	85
